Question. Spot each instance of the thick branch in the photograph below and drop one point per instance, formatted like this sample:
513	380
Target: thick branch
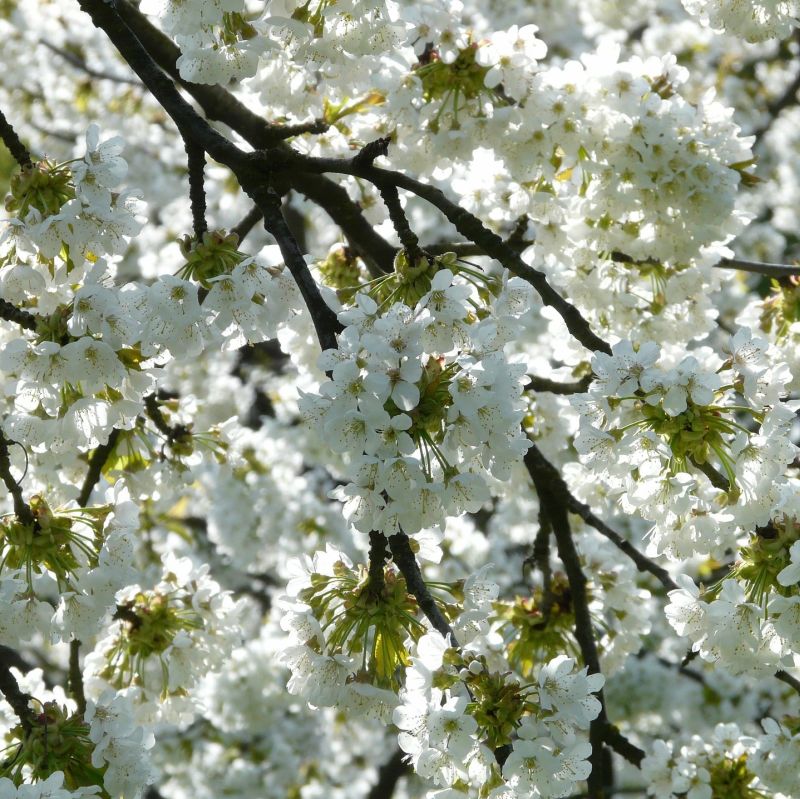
269	203
388	776
466	223
362	238
191	125
556	512
219	104
15	697
197	193
13	142
11	313
196	130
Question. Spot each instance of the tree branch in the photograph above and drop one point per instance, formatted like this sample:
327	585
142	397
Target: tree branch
153	411
362	238
770	270
247	223
15	146
21	508
80	64
406	561
76	676
190	124
404	232
377	559
534	460
388	776
784	676
602	775
24	319
97	461
601	731
15	697
219	104
555	387
269	203
783	101
197	194
466	223
252	175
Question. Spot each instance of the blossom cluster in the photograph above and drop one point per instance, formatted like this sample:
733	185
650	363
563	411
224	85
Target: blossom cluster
422	398
698	446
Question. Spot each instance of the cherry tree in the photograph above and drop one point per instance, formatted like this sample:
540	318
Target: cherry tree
399	399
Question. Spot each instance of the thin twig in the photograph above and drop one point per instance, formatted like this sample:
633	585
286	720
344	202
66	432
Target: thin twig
407	237
535	460
641	561
286	130
247	223
76	676
78	62
555	387
369	152
769	270
21	508
97	461
406	561
756	267
190	124
468	249
269	203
